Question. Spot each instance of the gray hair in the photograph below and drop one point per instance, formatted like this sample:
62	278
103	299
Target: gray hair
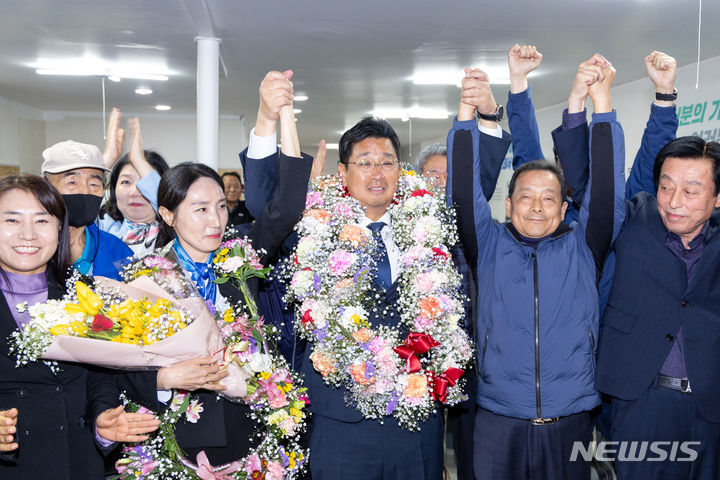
427	152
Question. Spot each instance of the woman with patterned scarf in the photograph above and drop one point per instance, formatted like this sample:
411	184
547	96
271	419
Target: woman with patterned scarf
194	213
130	212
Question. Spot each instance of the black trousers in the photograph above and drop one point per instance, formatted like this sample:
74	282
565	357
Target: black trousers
461	423
367	450
670	416
512	448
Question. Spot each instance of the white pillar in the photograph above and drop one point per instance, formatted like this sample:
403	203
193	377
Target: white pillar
208	55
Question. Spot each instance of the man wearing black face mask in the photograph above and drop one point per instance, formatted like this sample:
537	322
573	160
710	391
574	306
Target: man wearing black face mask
77	170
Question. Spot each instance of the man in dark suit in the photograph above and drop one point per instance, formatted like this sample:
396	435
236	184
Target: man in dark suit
343	443
661	328
233	188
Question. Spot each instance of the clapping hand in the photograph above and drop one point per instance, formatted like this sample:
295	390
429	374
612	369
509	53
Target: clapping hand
8	428
114	139
318	164
117	425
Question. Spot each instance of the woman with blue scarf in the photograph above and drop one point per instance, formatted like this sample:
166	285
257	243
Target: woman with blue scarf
192	206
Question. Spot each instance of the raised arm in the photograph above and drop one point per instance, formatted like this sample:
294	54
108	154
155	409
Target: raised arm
287	203
114	138
260	159
149	177
661	126
603	207
465	149
520	109
571	139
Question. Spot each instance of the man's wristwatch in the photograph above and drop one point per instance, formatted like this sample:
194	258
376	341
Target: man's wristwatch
495	117
667	97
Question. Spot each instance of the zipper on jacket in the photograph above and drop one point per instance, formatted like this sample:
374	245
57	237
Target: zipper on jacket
537	337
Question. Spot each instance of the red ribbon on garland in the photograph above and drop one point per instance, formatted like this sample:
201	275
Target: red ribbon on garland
415	344
441	383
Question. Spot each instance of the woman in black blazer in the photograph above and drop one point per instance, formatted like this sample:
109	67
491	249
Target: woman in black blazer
192	205
44	427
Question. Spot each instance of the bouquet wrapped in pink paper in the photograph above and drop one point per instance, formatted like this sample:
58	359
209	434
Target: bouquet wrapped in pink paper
133	325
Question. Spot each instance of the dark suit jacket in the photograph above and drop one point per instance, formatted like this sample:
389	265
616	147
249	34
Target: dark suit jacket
54	436
224	431
650	300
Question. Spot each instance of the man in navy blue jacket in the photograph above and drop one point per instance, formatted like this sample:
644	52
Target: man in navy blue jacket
661	328
344	444
537	308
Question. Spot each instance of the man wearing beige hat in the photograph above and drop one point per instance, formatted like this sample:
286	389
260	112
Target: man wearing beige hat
77	170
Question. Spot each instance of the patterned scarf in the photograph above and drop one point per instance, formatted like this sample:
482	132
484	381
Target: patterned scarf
140	233
201	272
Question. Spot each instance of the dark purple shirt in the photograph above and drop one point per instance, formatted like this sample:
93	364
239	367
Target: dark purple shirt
572	120
19	288
674	365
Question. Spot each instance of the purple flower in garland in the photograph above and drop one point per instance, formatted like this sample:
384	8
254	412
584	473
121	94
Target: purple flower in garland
391	404
320	333
369	369
285	458
317	282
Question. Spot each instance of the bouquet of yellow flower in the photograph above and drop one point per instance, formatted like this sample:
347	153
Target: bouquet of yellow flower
132	325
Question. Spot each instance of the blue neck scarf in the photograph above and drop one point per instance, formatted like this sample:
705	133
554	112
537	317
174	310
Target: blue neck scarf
201	272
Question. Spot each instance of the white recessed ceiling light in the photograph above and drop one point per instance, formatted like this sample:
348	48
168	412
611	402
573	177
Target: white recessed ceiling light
300	98
331	146
297	110
162	108
414	112
498	76
143	91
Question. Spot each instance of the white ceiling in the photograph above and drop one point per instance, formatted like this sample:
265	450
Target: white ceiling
349	57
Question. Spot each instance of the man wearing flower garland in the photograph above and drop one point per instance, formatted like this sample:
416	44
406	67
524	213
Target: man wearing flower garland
344	443
537	304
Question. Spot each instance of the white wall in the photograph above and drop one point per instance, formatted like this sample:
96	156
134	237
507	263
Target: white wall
632	102
171	137
26	131
22	136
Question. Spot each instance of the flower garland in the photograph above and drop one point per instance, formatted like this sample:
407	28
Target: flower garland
330	279
274	393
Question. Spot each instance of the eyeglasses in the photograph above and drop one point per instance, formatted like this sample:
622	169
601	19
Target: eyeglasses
365	167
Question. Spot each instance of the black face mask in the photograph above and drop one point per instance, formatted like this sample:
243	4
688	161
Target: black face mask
82	208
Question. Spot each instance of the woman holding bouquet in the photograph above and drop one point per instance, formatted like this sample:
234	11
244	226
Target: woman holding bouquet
192	206
44	431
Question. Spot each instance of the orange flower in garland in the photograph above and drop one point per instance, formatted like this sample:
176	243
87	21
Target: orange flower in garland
430	307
